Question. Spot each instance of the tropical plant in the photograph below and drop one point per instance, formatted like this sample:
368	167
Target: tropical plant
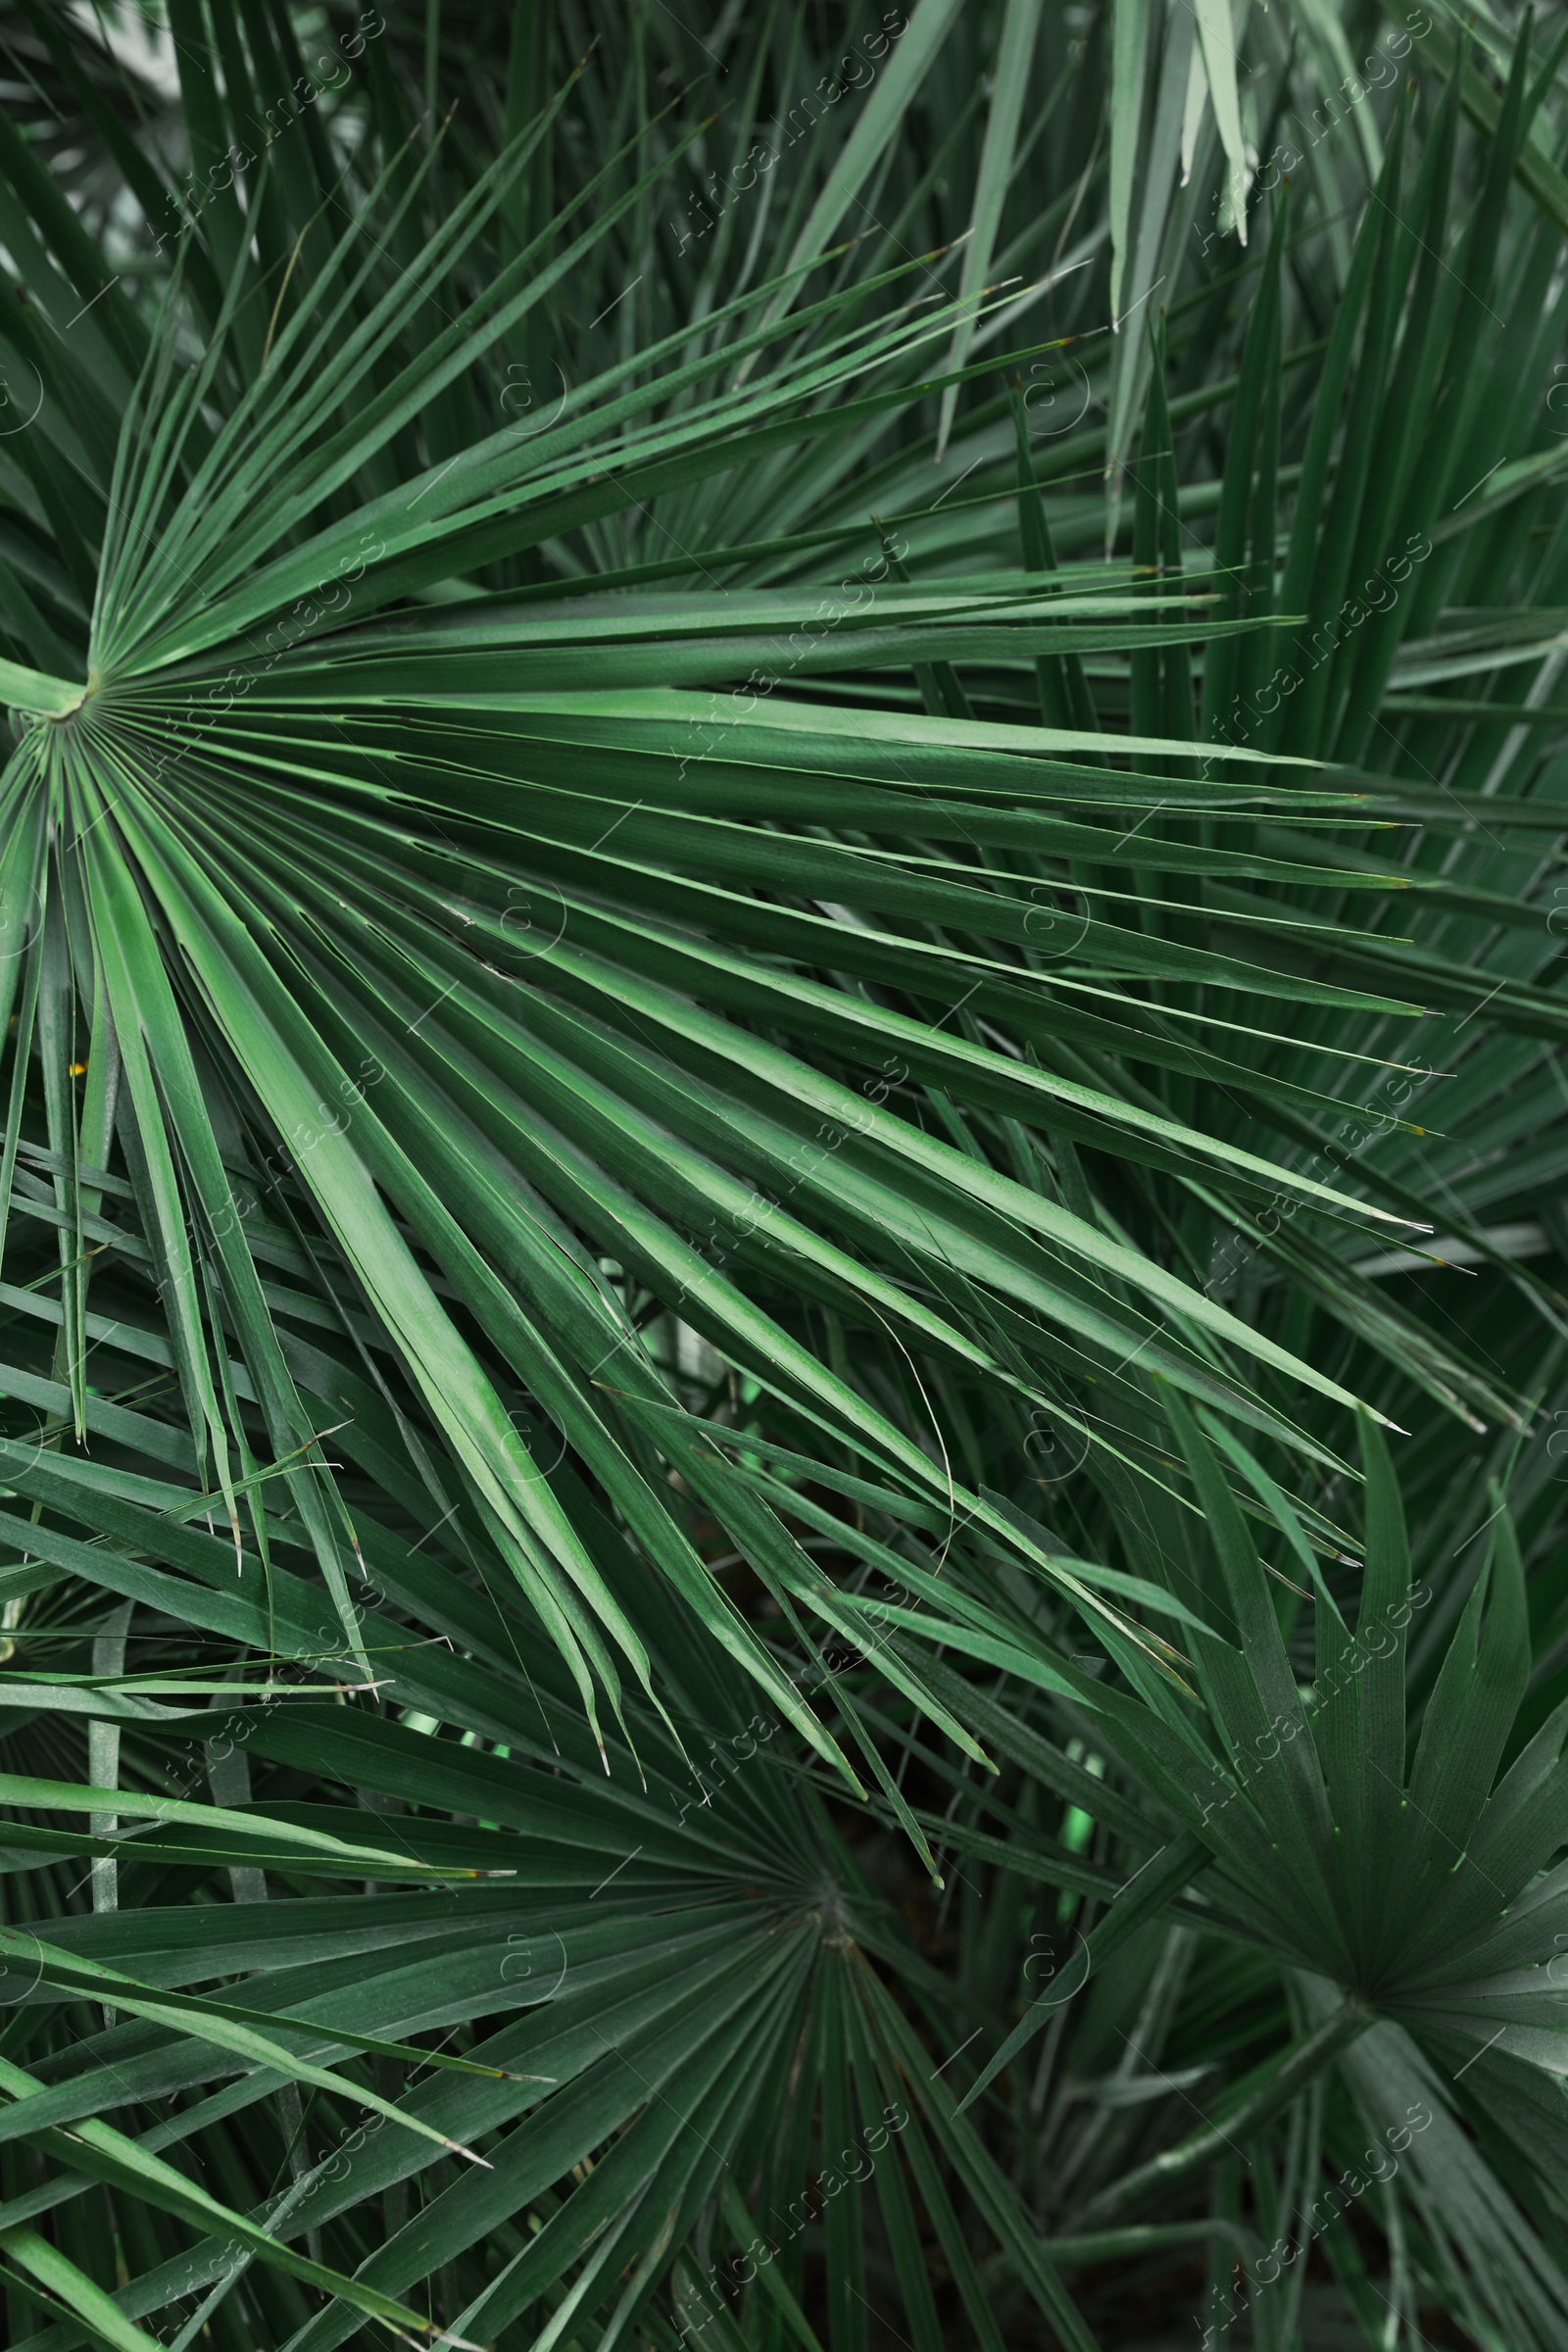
784	1333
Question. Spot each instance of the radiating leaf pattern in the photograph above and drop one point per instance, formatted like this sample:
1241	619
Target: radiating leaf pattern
783	1375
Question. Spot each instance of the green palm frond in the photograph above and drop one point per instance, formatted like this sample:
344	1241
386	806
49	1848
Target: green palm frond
779	889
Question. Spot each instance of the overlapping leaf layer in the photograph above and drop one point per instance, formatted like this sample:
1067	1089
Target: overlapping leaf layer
782	1322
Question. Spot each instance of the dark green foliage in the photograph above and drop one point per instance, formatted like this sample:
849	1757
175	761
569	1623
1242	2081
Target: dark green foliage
784	1332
